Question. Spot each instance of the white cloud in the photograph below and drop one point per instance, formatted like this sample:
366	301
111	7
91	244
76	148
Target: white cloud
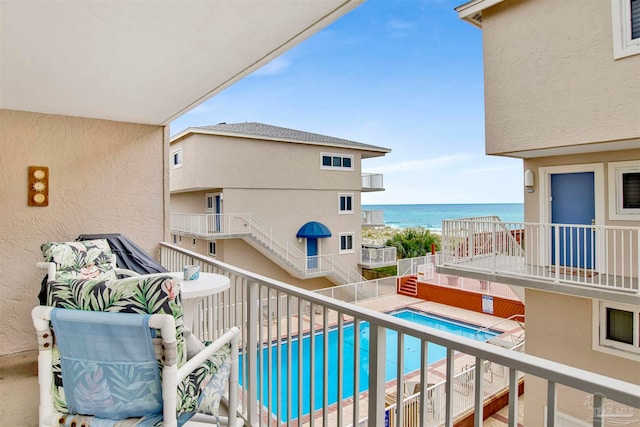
277	66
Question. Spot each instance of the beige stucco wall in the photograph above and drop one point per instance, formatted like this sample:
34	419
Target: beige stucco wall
532	200
244	163
285	211
550	76
105	177
570	344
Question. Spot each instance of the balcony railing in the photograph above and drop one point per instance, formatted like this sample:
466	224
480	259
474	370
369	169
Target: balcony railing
272	316
374	218
372	257
372	182
594	256
260	235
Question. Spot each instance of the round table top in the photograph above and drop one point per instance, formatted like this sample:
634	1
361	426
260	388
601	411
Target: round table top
207	284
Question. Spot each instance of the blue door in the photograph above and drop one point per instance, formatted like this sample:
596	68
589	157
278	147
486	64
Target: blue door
573	202
218	203
312	251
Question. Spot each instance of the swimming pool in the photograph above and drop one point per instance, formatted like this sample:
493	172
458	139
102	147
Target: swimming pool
411	360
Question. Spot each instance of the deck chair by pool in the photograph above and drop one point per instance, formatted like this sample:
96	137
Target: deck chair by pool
91	307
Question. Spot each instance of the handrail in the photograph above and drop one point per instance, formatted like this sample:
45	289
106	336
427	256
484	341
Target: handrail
263	234
486	328
554	372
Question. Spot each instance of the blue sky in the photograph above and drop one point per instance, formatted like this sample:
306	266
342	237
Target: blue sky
401	74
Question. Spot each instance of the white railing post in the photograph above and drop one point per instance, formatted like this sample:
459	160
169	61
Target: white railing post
251	366
598	410
552	403
377	360
556	246
479	393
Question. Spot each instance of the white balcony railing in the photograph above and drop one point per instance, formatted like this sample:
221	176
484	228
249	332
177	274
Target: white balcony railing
596	256
372	218
372	257
262	236
372	182
272	314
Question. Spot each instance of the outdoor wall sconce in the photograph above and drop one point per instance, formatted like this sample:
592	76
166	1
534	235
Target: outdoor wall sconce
38	186
529	180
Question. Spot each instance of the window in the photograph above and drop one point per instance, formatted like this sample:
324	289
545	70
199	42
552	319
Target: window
177	240
212	248
346	242
624	190
345	204
619	328
193	243
625	16
336	161
176	158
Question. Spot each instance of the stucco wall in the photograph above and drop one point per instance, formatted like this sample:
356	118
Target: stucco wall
550	76
532	200
244	163
105	177
571	345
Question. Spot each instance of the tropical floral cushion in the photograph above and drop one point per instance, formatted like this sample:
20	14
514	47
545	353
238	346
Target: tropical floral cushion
152	294
90	259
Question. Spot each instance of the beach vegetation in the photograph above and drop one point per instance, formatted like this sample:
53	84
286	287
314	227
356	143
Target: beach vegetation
414	242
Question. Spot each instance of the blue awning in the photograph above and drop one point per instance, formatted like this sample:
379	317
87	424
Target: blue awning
314	229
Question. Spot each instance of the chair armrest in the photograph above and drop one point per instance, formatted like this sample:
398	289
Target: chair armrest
50	267
198	359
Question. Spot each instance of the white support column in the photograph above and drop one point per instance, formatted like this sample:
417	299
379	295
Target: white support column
377	357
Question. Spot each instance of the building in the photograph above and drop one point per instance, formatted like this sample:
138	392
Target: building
87	92
562	92
281	202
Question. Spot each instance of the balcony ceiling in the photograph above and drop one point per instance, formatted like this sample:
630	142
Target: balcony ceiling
143	61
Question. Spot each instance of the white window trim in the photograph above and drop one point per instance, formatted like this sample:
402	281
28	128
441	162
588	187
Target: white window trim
623	45
353	241
601	344
346	212
173	154
616	170
215	246
337	168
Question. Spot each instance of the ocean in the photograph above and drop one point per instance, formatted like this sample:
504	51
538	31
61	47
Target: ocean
431	216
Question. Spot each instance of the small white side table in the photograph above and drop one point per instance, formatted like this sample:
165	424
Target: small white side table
194	291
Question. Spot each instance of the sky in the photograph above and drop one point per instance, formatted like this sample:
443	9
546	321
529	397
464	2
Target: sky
401	74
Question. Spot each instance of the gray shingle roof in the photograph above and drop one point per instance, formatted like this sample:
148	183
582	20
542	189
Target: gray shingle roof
292	135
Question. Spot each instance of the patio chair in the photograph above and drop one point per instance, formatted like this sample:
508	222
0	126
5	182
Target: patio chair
89	259
187	387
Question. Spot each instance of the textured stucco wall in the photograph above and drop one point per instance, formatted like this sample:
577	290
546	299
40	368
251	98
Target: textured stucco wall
532	200
572	345
243	163
105	177
550	76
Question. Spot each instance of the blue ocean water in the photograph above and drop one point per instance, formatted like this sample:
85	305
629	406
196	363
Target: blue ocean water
431	216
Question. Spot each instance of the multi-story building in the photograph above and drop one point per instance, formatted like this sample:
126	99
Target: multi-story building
562	92
281	202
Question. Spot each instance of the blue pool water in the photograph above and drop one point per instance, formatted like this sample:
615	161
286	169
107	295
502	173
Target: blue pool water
411	361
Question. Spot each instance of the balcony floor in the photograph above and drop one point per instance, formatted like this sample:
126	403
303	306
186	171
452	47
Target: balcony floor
18	372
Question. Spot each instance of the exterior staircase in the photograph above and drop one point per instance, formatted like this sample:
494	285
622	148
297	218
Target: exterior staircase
408	285
261	237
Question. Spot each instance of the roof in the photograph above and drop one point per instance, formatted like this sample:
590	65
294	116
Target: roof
472	10
257	130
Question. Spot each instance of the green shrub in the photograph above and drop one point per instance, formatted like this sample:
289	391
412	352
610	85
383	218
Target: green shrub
414	242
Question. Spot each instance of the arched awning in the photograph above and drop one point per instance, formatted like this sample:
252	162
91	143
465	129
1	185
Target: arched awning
314	229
